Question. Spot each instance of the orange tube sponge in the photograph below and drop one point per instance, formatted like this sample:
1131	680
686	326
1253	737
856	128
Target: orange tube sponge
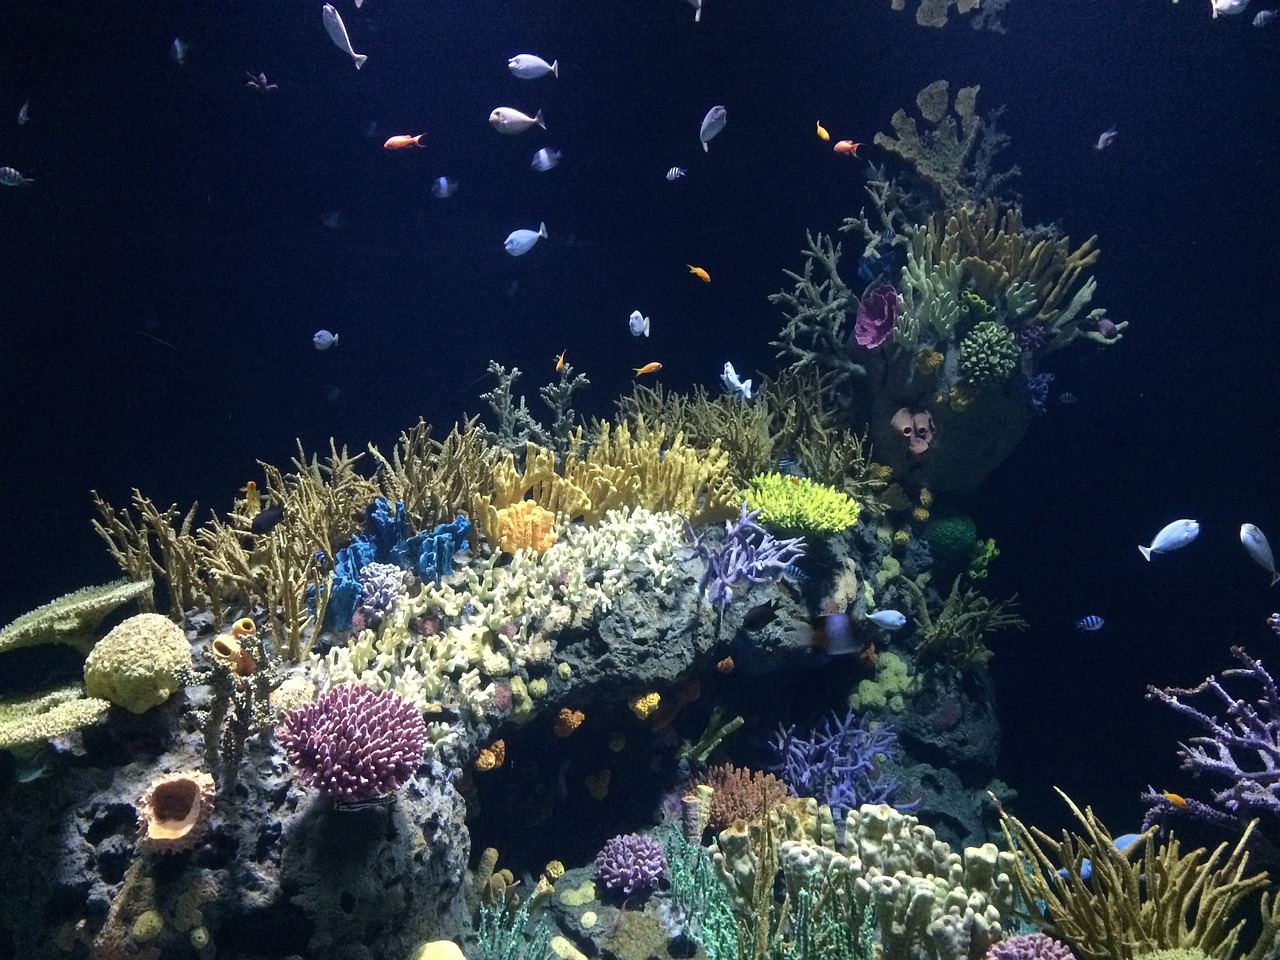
174	812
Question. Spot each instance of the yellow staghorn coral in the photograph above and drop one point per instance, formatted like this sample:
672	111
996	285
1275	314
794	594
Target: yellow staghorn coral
527	526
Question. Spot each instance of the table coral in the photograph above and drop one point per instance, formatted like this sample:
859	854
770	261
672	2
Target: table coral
39	717
72	619
941	153
797	503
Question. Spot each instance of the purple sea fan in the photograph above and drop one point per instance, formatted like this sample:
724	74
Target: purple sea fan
1029	946
631	863
354	744
878	311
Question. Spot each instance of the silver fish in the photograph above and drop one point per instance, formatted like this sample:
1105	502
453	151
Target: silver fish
1105	138
337	31
638	324
511	120
178	50
323	339
697	10
520	242
729	377
1256	545
712	124
10	177
888	619
545	159
24	112
1172	536
1264	18
528	67
444	187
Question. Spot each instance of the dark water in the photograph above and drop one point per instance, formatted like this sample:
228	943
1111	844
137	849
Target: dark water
172	204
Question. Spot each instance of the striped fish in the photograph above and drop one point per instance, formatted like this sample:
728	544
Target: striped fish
1090	623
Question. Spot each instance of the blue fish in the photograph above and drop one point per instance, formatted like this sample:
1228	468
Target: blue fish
545	159
1090	623
323	339
444	187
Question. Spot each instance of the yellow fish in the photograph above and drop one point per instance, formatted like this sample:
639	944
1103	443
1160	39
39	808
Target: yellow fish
653	366
560	361
252	499
822	132
699	273
1175	799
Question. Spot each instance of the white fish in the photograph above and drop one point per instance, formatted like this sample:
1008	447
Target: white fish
520	242
1105	138
178	50
638	324
444	187
697	9
337	31
888	619
1256	545
23	114
730	379
1264	17
545	159
1172	537
675	173
10	177
528	67
323	339
1228	7
712	124
511	120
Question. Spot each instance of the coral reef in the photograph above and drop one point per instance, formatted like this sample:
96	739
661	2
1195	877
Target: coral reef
139	664
746	552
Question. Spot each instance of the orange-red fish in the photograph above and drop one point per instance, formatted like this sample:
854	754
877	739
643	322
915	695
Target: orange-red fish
653	366
699	273
847	147
1176	799
403	140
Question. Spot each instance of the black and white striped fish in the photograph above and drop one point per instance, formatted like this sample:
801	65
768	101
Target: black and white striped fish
1090	623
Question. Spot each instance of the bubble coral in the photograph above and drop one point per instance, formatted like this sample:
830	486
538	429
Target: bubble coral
525	525
354	744
174	812
631	863
988	354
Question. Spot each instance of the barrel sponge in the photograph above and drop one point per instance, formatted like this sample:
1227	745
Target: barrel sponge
139	663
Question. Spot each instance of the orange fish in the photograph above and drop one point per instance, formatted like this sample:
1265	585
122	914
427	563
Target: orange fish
560	361
699	273
1175	799
653	366
822	132
396	143
847	147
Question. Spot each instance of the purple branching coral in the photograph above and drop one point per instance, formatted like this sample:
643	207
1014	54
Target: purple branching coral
747	552
840	763
380	585
354	744
1029	946
631	863
1241	748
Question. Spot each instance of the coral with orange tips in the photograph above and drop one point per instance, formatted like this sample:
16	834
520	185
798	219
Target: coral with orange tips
525	525
567	721
174	812
492	756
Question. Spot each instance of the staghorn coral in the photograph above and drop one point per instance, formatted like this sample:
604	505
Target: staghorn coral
955	636
174	812
941	154
1144	898
746	552
930	291
434	479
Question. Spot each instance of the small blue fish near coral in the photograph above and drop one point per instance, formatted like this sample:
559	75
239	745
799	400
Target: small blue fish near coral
1172	536
1090	623
323	339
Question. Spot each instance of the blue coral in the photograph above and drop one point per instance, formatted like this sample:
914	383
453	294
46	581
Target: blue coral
746	552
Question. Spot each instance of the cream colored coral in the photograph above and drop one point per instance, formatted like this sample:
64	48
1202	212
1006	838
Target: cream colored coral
139	664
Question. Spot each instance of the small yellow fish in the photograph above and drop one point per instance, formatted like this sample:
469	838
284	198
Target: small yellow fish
822	132
699	273
252	499
1175	799
653	366
560	361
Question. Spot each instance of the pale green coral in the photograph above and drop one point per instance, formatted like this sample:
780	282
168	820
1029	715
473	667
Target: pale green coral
930	291
71	619
799	504
38	717
989	354
139	664
893	683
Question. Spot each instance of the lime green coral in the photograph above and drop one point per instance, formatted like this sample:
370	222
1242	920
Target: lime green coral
43	716
988	354
797	503
139	664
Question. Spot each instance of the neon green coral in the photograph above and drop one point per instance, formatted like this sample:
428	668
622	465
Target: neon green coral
797	503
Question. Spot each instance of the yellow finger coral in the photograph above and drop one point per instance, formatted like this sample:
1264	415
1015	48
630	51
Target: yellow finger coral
797	503
525	524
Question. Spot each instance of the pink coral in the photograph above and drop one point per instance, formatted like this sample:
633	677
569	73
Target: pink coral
916	428
878	311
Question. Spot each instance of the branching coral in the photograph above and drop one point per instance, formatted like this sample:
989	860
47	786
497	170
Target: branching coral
1145	898
797	503
434	479
940	154
955	636
746	552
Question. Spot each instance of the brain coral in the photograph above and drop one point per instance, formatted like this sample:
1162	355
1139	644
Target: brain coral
139	663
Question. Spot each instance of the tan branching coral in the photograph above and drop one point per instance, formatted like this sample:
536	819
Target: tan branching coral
741	794
1145	898
174	812
435	479
525	526
939	154
956	635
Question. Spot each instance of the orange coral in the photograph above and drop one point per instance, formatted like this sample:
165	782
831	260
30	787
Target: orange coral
173	814
567	721
525	524
725	666
491	757
741	794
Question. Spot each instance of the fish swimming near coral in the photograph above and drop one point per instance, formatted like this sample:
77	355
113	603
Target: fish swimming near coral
266	521
1172	536
729	377
653	366
888	619
1256	545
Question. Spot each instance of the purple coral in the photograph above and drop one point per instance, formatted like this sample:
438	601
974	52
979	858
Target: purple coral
1031	337
380	585
839	763
878	311
354	744
747	552
1029	946
1241	748
631	863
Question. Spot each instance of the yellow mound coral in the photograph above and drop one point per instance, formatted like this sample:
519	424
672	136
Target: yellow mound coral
139	664
527	525
644	704
797	503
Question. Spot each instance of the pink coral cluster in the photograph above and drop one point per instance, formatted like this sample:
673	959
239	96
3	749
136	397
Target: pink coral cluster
354	744
915	427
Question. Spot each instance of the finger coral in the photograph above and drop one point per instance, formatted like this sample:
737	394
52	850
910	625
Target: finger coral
989	354
797	503
174	812
525	525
